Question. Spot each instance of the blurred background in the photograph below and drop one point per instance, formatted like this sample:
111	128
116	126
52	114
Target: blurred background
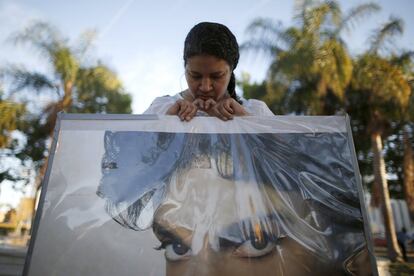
302	57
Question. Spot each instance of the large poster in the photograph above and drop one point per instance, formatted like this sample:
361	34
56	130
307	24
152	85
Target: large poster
149	195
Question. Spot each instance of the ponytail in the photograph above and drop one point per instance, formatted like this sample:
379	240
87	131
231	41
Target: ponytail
231	88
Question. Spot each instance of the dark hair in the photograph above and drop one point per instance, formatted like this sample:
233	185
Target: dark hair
207	38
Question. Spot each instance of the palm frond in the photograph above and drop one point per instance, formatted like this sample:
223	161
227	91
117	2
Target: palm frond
263	24
313	15
301	9
65	64
42	36
85	43
356	14
21	79
260	45
314	19
335	12
394	26
404	59
266	36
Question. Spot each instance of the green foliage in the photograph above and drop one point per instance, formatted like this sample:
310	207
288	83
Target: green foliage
98	90
73	86
311	66
383	86
386	33
252	91
262	91
312	72
11	114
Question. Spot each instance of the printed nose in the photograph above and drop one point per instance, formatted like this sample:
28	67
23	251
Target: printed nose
207	263
206	85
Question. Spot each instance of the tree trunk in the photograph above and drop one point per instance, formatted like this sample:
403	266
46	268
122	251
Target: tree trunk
408	173
394	252
376	194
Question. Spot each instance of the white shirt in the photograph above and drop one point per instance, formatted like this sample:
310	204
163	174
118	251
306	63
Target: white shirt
161	104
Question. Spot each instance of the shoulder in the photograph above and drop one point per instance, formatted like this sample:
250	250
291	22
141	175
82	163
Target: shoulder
161	104
166	98
257	107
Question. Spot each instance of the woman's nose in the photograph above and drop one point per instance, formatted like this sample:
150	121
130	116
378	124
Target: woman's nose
207	263
206	84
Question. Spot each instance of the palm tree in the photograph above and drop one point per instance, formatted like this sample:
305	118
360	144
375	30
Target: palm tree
408	169
311	65
405	62
76	84
381	89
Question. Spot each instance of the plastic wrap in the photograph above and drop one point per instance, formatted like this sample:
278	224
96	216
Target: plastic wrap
156	196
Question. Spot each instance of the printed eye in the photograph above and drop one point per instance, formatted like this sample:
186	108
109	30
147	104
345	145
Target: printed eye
176	251
254	248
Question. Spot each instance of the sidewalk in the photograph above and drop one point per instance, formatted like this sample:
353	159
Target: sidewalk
12	260
386	268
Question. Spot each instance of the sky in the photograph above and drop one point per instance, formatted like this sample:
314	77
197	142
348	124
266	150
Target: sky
142	41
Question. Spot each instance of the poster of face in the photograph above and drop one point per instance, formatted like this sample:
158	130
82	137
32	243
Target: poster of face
149	195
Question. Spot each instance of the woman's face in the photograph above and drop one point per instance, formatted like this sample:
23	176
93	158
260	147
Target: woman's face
207	77
198	226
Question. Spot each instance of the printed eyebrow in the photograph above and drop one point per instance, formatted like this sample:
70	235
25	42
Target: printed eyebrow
244	228
226	243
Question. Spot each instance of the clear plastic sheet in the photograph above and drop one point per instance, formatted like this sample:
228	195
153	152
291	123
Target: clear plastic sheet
156	196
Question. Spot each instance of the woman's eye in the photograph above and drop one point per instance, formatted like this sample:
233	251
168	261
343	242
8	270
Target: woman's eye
254	248
196	77
216	77
176	251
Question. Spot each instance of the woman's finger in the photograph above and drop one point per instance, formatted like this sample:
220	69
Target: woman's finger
183	107
227	104
186	115
215	111
209	103
191	114
199	103
224	112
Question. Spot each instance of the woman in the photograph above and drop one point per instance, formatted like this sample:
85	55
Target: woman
211	54
225	204
232	204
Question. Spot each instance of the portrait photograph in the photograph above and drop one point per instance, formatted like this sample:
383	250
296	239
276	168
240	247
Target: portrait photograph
157	196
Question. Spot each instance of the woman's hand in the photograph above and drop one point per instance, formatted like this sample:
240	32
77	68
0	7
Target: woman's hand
225	109
184	109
